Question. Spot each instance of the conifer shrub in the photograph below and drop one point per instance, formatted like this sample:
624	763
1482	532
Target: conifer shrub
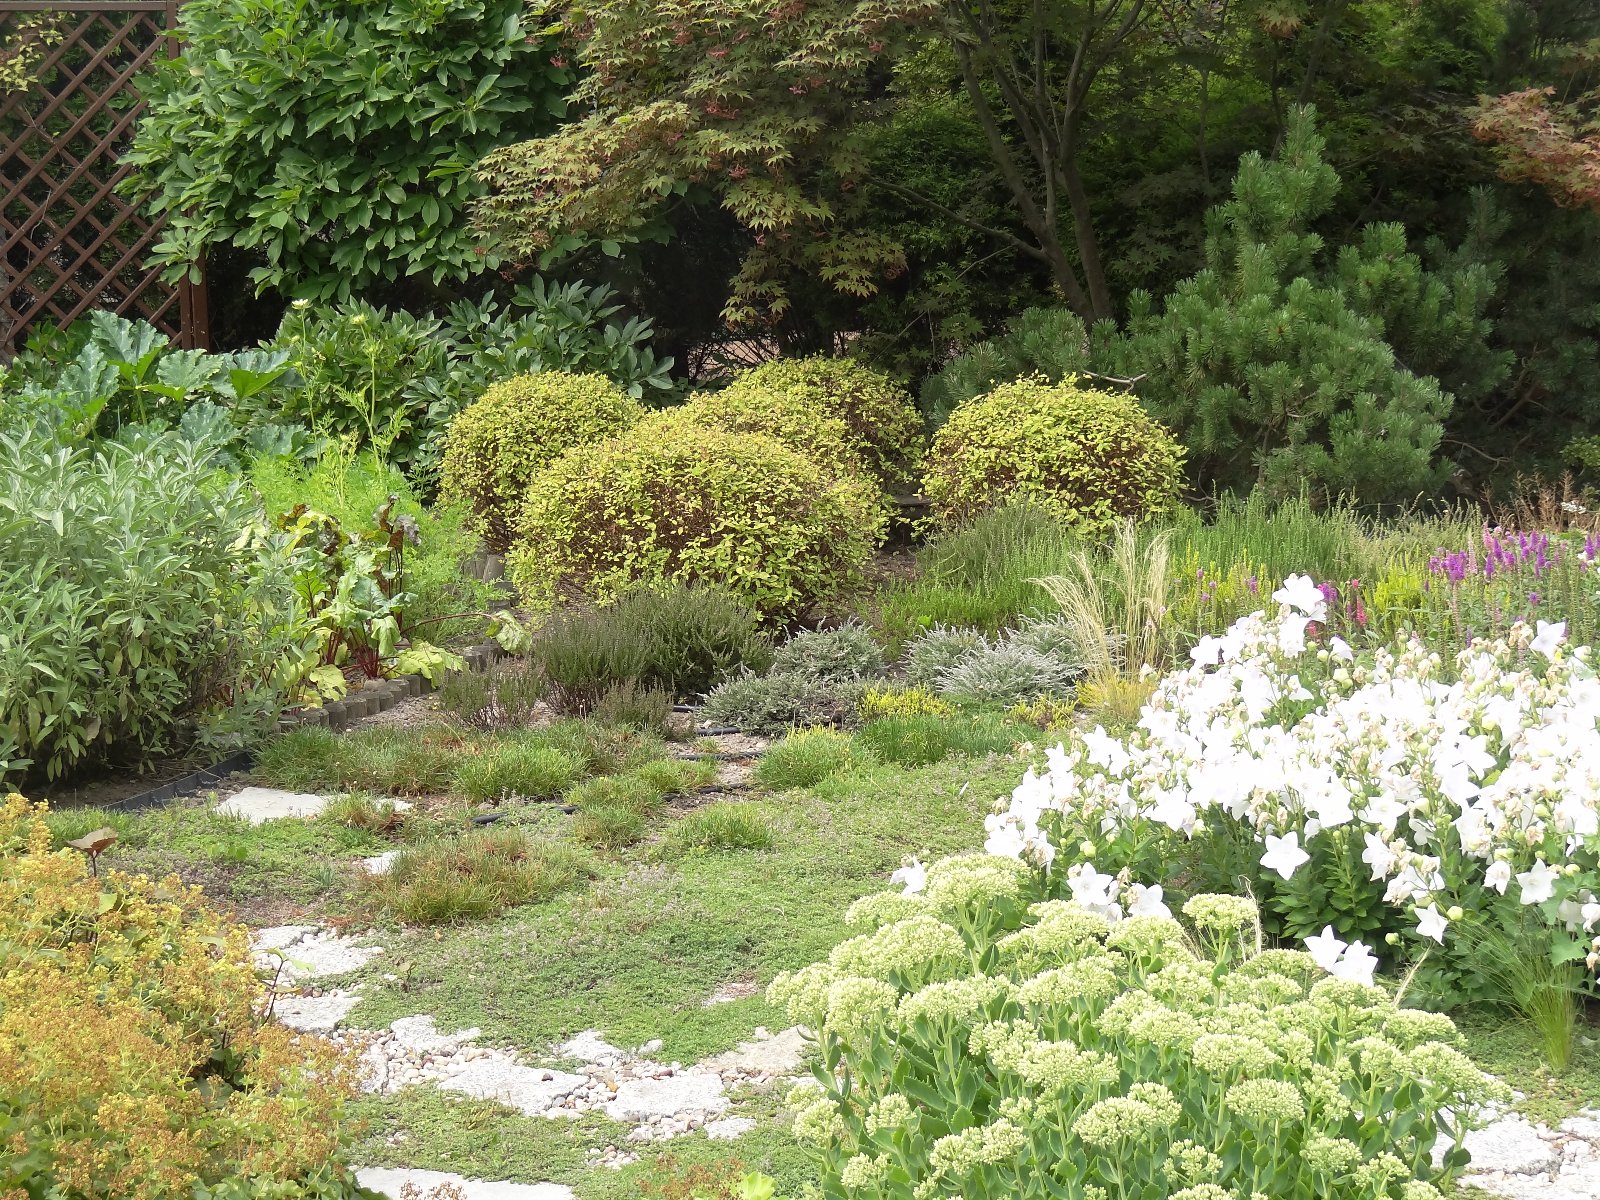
883	425
133	1061
496	445
1089	457
682	504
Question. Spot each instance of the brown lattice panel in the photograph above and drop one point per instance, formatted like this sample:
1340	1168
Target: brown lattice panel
69	242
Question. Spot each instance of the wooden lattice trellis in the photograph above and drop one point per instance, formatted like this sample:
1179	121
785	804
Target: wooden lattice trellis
69	242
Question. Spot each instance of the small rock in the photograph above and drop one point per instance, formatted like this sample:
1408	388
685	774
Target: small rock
729	1128
645	1099
391	1183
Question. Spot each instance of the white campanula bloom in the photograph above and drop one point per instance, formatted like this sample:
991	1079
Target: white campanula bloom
1379	856
1538	883
1431	923
1326	948
1357	964
1548	637
913	875
1146	901
1301	592
1207	651
1284	854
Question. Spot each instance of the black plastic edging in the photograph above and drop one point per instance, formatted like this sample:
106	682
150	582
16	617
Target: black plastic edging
185	785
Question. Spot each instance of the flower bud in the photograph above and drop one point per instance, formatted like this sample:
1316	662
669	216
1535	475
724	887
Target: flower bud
1086	848
1455	912
1392	938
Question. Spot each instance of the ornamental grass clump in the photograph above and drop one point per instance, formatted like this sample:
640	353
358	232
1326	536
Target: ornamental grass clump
985	1041
1382	798
134	1063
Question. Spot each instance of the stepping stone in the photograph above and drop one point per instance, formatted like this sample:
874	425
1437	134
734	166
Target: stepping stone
1511	1146
767	1054
379	864
314	953
260	804
590	1047
278	937
390	1182
534	1090
314	1014
693	1092
421	1034
729	1128
1583	1184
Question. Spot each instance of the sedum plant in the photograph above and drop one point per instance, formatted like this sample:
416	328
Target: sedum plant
134	1060
981	1041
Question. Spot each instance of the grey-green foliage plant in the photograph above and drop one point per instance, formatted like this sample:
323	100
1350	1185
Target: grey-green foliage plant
128	603
108	373
767	705
980	1041
845	652
337	140
1008	672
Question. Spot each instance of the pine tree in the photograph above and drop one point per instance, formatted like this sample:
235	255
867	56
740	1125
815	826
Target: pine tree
1272	363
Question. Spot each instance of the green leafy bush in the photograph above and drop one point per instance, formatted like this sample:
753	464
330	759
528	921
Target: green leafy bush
979	1043
1087	456
337	140
805	757
499	443
1049	343
131	602
883	426
682	641
678	505
768	705
786	417
838	655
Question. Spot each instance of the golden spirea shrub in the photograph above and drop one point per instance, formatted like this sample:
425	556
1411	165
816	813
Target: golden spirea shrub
496	445
133	1062
675	502
777	414
1089	456
882	424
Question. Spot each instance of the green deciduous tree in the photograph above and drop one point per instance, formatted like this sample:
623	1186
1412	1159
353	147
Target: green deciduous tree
338	139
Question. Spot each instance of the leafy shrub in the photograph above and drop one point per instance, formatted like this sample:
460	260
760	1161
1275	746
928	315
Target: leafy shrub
804	758
476	875
929	655
131	602
1047	343
498	444
1087	456
127	1009
346	161
987	1043
629	703
920	739
725	825
790	419
526	769
883	425
686	505
353	489
506	695
767	705
902	702
681	640
838	655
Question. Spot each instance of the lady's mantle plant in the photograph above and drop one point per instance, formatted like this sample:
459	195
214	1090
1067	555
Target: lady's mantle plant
985	1041
1378	796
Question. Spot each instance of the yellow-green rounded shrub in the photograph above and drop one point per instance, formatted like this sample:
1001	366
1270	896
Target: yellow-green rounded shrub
789	417
496	445
883	425
674	502
1089	456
